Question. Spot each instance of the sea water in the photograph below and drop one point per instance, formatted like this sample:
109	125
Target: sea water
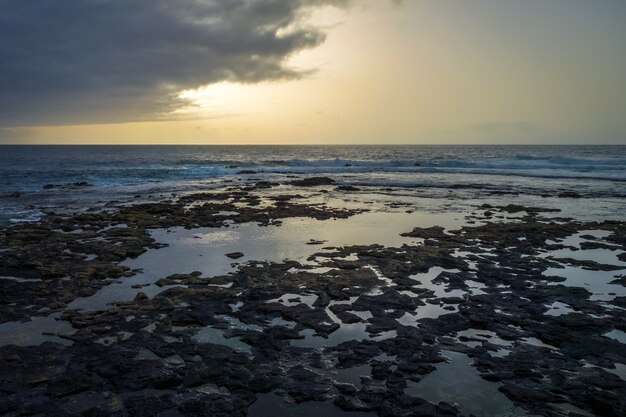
129	173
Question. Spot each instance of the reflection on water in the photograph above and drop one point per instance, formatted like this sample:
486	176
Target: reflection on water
345	333
602	256
457	382
204	249
558	309
618	335
353	375
215	336
596	282
31	333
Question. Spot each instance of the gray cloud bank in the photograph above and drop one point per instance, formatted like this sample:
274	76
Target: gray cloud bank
92	61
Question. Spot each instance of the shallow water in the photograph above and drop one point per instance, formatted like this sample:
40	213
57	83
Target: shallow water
618	335
31	333
345	333
458	382
558	309
596	282
353	375
215	336
120	173
602	256
204	249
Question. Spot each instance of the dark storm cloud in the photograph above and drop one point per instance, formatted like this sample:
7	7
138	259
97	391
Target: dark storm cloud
71	61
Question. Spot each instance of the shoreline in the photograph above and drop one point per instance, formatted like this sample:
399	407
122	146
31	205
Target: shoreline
296	326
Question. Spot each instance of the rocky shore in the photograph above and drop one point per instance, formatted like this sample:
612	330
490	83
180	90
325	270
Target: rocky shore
355	330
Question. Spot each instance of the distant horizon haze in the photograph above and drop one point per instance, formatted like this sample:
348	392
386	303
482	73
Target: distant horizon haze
313	72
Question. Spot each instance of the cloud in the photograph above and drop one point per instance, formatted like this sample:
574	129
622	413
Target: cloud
94	61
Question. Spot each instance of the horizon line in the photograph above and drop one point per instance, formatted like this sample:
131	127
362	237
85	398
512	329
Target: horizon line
313	144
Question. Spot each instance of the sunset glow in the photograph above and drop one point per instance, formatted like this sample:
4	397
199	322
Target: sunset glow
379	72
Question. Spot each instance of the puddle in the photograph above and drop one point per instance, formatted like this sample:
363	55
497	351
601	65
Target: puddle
533	341
475	287
352	375
441	289
204	249
235	323
215	336
457	382
237	306
482	335
619	369
596	282
500	353
363	315
31	333
559	309
428	277
292	300
428	311
618	335
345	333
603	256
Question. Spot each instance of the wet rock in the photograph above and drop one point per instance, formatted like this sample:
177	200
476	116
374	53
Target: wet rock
313	182
434	232
347	188
570	194
141	296
235	255
213	377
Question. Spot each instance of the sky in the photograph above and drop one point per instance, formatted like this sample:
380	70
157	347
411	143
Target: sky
313	71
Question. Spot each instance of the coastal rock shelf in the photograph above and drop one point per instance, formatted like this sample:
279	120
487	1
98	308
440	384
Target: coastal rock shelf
512	311
65	257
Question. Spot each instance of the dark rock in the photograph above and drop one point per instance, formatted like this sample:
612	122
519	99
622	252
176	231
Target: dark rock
569	194
313	182
141	296
434	232
347	188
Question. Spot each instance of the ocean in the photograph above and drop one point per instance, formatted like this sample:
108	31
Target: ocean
436	270
37	178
